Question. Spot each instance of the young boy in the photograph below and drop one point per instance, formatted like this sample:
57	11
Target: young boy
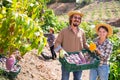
50	40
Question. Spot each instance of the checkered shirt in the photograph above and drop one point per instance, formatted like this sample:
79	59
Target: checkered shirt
105	49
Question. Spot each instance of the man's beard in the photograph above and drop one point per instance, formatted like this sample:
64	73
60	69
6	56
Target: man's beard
75	25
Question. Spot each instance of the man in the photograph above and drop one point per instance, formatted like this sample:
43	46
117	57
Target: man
71	39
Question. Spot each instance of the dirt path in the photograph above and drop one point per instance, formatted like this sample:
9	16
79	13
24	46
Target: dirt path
37	68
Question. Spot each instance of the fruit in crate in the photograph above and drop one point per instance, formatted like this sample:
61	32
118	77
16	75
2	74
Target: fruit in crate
88	58
76	59
82	57
79	59
10	62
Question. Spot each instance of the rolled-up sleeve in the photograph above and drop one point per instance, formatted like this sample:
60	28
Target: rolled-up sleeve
86	46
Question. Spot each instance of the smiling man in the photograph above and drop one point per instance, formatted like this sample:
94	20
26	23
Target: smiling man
71	39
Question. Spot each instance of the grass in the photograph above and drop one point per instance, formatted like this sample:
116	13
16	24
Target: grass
99	11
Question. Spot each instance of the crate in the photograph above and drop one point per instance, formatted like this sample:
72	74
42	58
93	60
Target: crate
10	74
74	67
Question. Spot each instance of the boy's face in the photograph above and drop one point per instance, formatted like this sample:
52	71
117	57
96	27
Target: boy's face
50	31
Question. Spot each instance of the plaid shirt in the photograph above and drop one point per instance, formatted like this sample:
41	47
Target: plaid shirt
105	49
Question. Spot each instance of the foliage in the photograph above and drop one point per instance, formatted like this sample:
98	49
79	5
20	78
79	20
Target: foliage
115	58
63	1
51	1
20	26
89	30
82	3
103	11
50	20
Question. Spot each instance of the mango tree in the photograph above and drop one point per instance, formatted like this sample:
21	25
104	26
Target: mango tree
20	26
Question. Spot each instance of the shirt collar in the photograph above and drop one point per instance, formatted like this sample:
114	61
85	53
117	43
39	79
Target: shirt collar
104	41
71	28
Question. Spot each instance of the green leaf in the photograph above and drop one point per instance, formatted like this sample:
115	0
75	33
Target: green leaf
41	46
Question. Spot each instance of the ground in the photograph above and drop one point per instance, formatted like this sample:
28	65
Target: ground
108	12
37	68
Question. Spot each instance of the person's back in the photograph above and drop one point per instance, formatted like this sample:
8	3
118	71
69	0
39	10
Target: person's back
51	39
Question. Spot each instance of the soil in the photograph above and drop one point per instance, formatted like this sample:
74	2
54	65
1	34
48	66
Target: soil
62	8
91	12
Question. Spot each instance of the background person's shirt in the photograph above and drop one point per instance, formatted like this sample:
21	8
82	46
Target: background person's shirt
51	39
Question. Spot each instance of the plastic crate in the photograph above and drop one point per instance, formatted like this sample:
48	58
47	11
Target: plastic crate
10	74
74	67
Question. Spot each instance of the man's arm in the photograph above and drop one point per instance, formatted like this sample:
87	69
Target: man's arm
86	46
58	42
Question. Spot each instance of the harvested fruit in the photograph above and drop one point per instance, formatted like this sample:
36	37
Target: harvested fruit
92	46
82	57
10	62
79	59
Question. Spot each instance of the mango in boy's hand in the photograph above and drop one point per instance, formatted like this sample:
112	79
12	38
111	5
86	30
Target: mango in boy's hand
62	53
92	46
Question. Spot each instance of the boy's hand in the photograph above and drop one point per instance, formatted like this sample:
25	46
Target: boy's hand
63	53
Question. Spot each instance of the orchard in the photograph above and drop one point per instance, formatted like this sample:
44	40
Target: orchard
23	24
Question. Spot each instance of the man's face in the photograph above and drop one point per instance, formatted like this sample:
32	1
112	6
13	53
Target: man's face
76	20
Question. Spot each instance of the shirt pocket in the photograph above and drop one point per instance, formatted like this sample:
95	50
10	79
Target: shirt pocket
80	41
80	38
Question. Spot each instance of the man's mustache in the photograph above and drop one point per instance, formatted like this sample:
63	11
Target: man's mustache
75	25
76	21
